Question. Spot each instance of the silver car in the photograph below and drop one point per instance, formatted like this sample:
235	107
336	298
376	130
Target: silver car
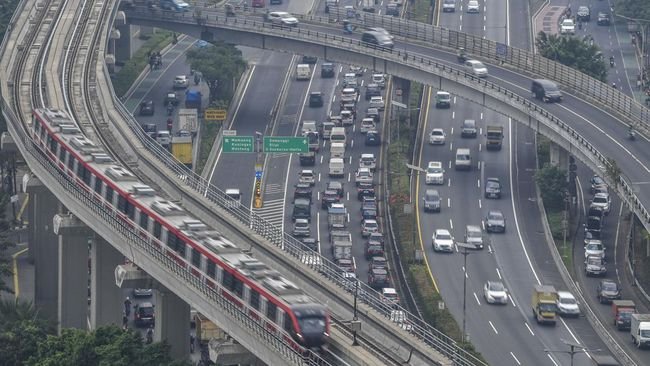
495	292
495	222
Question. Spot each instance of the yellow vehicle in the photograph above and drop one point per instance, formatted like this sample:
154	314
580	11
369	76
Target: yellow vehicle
544	304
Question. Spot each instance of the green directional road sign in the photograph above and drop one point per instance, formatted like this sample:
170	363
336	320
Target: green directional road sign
285	144
237	144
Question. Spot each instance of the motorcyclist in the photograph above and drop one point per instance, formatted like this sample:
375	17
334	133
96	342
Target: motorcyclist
127	306
631	133
461	54
611	61
150	335
614	86
170	109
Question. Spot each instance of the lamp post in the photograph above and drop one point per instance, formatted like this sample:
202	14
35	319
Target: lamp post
356	324
465	253
573	349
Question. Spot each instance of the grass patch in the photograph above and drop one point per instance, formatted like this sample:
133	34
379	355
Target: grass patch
400	152
641	259
420	11
209	132
124	78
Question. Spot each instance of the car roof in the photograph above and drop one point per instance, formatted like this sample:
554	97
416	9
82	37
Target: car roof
388	290
494	179
306	171
565	294
437	130
367	155
431	191
495	212
472	228
434	164
601	195
442	231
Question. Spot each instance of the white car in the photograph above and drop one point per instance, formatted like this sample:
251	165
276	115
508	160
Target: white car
595	248
477	68
495	292
367	124
472	6
437	136
379	79
180	82
567	27
376	102
368	161
603	201
442	241
435	174
567	304
389	296
368	227
307	176
363	175
282	18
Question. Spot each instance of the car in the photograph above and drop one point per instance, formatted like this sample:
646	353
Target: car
437	136
171	98
603	201
448	6
546	90
442	241
373	138
368	227
382	31
335	186
328	198
379	79
603	18
181	82
356	70
367	124
368	161
431	200
567	304
363	175
327	70
477	68
301	228
474	236
373	90
365	190
378	262
307	159
595	248
595	266
399	317
142	292
307	176
350	80
468	129
567	26
495	222
608	290
347	118
493	188
374	246
435	173
443	99
373	113
184	133
377	102
473	7
389	296
309	59
151	129
583	14
378	278
369	203
315	99
311	243
302	190
377	40
392	9
144	315
282	18
495	292
346	265
147	108
597	184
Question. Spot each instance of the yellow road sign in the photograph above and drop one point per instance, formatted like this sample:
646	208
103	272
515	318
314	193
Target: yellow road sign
215	114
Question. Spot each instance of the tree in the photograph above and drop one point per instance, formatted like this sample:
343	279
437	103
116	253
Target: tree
6	270
221	65
613	171
573	52
20	331
552	185
639	9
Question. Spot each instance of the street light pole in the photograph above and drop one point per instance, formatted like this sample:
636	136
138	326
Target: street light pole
573	349
465	253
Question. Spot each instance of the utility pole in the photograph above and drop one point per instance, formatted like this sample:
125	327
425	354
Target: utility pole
465	253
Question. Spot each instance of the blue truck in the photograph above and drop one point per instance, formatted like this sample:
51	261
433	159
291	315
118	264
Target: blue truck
193	99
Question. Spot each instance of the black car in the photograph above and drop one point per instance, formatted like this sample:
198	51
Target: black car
144	315
307	159
431	200
327	70
493	188
311	243
335	186
364	190
468	128
583	14
309	59
607	291
546	91
378	278
147	108
495	222
372	90
315	99
150	129
373	138
328	198
392	9
302	190
603	18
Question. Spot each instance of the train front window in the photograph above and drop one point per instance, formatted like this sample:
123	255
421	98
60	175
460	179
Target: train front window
310	325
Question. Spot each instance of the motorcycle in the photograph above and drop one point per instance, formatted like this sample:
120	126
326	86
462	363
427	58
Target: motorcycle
631	134
611	62
170	109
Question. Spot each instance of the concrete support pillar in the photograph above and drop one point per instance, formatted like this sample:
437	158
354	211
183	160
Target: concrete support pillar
146	32
558	156
121	36
43	246
73	271
106	301
172	322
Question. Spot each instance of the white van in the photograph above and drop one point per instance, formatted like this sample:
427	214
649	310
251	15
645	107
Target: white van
164	138
337	150
327	129
338	135
463	159
303	72
336	167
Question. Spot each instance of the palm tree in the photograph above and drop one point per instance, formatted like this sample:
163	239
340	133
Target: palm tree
13	312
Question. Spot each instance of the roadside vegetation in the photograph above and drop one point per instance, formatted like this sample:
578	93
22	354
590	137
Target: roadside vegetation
580	54
639	9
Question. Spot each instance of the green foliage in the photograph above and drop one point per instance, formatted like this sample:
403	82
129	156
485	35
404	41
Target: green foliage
543	150
552	185
613	171
20	331
639	9
573	52
6	270
221	65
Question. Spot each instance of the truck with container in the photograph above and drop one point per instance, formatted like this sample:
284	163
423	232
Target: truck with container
182	149
193	98
544	304
188	120
303	72
640	330
341	244
623	310
206	330
337	216
494	137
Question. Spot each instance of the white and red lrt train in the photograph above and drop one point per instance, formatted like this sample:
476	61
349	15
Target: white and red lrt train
255	288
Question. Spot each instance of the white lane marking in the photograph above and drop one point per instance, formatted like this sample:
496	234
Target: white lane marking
453	115
449	164
493	327
448	182
498	273
570	332
516	360
529	329
477	300
318	230
348	195
479	203
489	247
512	301
449	202
478	183
552	360
451	224
319	176
349	176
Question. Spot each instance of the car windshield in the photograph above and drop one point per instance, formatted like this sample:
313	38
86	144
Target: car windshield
610	286
443	236
478	65
434	170
436	133
286	16
146	311
431	197
594	246
370	225
473	234
568	301
600	199
495	216
496	286
492	184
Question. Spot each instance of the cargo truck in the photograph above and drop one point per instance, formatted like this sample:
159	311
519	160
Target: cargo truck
182	149
206	330
337	216
623	310
640	329
193	98
188	119
544	304
494	137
